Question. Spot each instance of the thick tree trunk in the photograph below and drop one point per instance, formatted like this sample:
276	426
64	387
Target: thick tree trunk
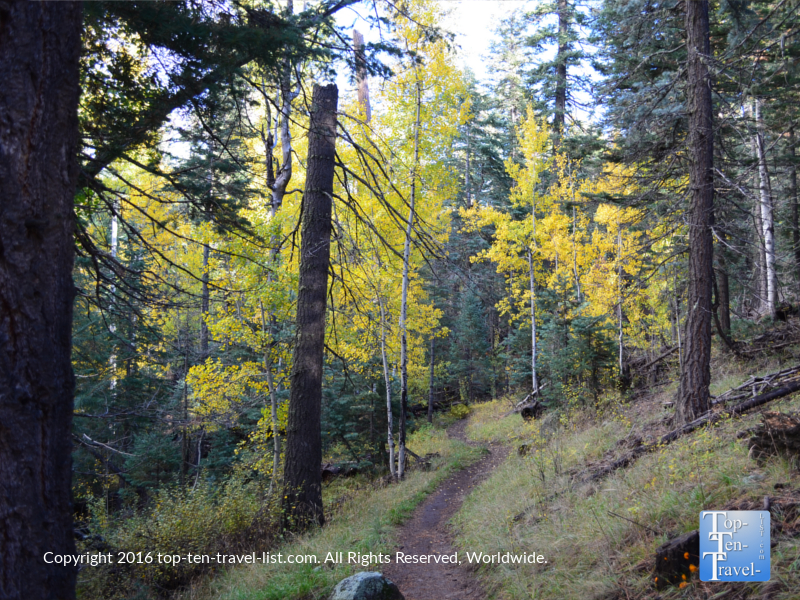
39	50
302	503
559	118
696	374
765	206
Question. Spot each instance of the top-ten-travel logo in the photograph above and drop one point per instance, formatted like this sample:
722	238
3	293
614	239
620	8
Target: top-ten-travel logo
734	545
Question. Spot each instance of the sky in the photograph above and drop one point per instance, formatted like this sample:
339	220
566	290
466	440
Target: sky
473	22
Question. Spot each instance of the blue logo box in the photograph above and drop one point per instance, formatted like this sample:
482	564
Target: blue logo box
734	545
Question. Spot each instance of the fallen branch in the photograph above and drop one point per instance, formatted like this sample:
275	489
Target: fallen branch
659	358
706	419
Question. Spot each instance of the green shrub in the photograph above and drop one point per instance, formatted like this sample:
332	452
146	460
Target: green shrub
233	518
460	411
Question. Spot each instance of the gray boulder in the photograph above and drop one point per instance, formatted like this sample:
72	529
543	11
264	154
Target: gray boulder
366	586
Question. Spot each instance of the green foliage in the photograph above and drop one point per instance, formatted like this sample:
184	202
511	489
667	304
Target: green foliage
460	411
231	517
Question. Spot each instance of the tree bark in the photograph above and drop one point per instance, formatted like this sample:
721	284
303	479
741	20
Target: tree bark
724	296
388	381
696	374
302	503
39	50
765	205
361	75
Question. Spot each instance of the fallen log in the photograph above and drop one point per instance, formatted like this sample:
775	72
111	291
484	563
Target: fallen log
778	433
658	359
706	419
331	471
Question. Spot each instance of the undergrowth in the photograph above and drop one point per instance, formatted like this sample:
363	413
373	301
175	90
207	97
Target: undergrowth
364	521
599	538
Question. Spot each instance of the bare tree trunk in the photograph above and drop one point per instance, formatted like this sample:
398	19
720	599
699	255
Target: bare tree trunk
284	172
466	174
532	275
696	374
401	451
302	502
621	338
205	301
40	45
388	381
765	205
361	75
575	258
723	288
273	402
277	185
430	384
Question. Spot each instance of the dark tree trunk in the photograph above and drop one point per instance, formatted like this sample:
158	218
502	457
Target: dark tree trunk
39	50
302	479
723	290
696	375
561	70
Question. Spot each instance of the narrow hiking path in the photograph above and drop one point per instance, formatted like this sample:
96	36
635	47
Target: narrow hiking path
428	532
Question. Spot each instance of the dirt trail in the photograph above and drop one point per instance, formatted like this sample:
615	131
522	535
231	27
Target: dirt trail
428	533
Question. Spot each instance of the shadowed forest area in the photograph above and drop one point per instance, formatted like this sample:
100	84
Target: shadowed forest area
257	256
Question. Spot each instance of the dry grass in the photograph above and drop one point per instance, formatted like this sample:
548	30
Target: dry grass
591	552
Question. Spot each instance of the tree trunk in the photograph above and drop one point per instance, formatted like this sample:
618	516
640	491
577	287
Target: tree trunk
277	185
401	450
430	384
621	336
39	49
361	75
559	118
273	398
723	287
532	275
794	199
696	374
388	380
205	301
765	205
302	503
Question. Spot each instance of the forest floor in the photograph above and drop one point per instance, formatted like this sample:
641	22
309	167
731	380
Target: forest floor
429	532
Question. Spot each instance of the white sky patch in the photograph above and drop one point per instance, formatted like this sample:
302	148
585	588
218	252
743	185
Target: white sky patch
472	21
